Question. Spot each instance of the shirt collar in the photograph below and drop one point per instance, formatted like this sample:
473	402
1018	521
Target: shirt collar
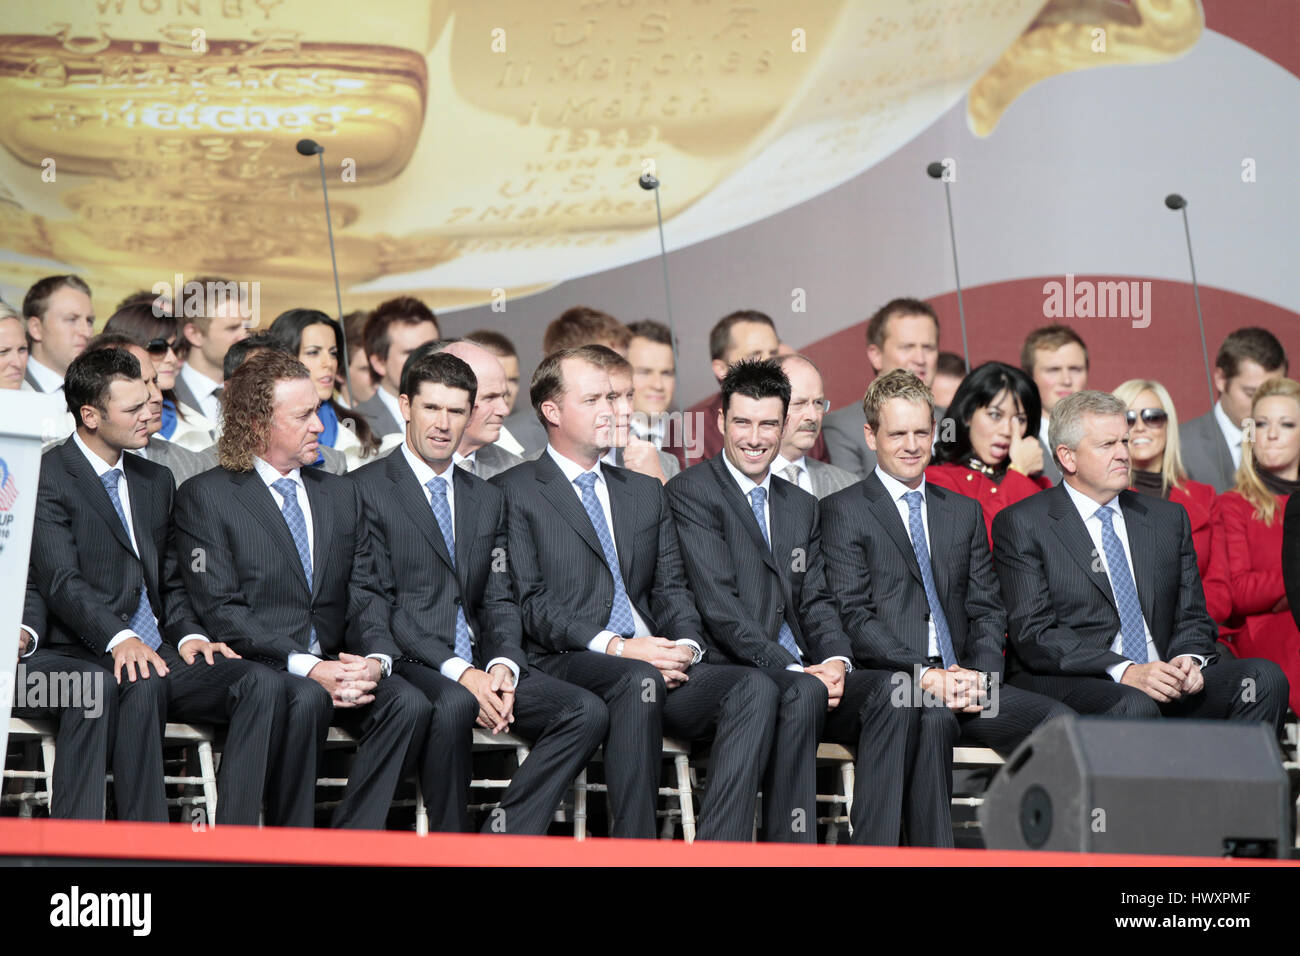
423	473
1086	506
781	463
49	380
1231	432
457	457
571	468
201	385
391	403
896	488
101	467
269	475
746	483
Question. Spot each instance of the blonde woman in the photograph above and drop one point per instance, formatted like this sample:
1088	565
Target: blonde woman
1157	461
1246	569
13	349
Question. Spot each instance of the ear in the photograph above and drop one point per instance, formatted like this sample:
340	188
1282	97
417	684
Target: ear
404	406
719	369
722	423
1069	464
90	417
193	334
876	358
378	365
551	411
34	328
1220	380
870	435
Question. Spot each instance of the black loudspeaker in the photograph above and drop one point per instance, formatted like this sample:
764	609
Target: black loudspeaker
1185	787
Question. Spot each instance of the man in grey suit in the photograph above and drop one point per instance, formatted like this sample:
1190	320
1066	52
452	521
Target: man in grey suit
903	333
396	329
802	426
1211	444
1105	608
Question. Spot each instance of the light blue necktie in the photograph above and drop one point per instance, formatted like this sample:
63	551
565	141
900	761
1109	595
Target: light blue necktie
916	527
1134	641
297	523
437	486
620	613
142	621
785	637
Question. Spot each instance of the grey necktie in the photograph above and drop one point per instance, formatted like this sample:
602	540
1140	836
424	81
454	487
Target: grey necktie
467	464
791	474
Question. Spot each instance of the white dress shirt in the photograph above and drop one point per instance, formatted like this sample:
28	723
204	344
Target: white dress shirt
781	463
300	663
204	390
1088	511
1231	433
572	470
1042	432
654	432
509	442
50	381
747	486
453	667
897	492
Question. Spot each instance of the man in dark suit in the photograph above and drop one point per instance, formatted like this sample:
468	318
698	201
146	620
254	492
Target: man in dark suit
103	564
395	329
597	570
440	545
909	565
752	549
903	333
1211	444
1104	603
287	578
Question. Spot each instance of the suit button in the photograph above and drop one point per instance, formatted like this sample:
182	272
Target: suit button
458	602
993	491
970	476
126	617
780	609
609	604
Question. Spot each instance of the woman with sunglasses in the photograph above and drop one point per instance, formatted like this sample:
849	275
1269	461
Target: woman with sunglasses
148	321
1157	461
988	446
1245	575
317	342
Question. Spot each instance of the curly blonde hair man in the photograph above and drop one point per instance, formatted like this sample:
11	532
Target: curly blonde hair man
248	404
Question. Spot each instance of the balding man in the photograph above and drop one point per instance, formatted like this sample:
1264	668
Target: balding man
803	424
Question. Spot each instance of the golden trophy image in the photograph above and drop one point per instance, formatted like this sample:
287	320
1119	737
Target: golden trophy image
481	147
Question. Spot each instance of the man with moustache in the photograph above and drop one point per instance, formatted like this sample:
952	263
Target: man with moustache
597	570
440	535
808	405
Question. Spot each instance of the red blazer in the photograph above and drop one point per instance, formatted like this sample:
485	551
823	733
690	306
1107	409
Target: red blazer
1198	499
1245	582
992	497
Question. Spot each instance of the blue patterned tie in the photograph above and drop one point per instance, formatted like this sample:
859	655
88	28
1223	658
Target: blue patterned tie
1131	627
297	523
142	621
916	527
620	614
785	637
437	486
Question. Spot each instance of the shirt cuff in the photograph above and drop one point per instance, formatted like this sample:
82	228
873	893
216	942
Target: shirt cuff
453	667
921	672
699	651
300	665
848	664
118	638
1200	661
383	659
1116	671
31	646
600	643
514	668
190	637
797	668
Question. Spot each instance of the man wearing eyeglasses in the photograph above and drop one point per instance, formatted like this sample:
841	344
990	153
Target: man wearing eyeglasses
803	425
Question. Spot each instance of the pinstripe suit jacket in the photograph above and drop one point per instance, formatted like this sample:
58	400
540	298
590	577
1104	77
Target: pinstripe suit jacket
249	588
416	573
1061	612
872	570
179	460
562	583
82	562
743	588
827	479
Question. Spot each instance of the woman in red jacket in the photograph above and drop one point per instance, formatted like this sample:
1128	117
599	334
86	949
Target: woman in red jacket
1246	567
986	448
1158	464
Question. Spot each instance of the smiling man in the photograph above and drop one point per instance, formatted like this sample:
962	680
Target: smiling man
1104	603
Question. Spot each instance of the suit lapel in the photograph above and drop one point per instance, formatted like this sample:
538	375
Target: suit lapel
564	498
1074	535
144	499
781	528
257	498
1137	522
940	521
623	510
886	511
412	499
31	380
738	503
322	520
468	511
93	490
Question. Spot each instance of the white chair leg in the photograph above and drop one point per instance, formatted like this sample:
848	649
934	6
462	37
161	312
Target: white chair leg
208	769
580	806
47	759
685	797
421	811
846	775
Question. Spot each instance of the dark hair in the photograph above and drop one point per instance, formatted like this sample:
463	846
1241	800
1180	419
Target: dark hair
420	351
978	390
720	334
756	378
952	364
37	299
548	379
405	309
608	359
1049	338
1254	344
163	303
239	352
92	373
878	324
438	368
494	342
287	329
354	324
583	325
112	340
651	330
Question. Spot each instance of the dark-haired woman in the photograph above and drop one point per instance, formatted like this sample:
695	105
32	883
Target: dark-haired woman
156	331
987	449
316	340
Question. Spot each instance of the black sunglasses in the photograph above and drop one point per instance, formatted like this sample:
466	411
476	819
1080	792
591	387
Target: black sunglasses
1155	417
160	346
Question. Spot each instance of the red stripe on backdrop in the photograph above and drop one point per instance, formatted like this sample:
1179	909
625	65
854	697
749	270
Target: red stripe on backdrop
1271	27
1000	315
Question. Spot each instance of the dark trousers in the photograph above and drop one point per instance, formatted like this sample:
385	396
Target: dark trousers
563	723
790	779
735	707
